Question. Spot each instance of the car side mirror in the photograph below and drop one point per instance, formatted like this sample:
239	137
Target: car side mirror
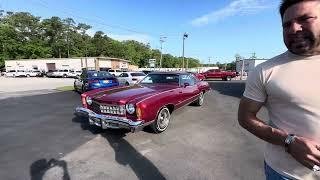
186	84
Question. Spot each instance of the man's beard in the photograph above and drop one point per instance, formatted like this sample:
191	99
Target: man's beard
303	43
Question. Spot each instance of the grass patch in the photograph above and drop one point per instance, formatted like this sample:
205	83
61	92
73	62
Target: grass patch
65	88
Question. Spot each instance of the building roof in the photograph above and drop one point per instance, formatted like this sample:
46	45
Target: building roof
100	57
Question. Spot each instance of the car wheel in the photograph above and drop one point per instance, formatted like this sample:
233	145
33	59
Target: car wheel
127	84
64	76
14	75
28	75
200	99
228	78
162	121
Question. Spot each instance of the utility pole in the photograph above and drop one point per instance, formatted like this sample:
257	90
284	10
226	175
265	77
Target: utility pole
242	67
209	61
161	41
185	36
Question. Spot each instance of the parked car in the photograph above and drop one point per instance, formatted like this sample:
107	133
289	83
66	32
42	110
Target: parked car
150	102
115	72
199	76
10	73
33	73
74	73
58	73
130	78
217	73
16	73
90	80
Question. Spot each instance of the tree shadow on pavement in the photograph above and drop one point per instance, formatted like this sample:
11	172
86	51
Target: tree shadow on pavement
41	166
125	153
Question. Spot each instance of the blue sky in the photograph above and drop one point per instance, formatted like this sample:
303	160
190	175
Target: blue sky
217	29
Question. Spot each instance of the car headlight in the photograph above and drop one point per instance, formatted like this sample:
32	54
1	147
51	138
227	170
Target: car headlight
89	100
130	108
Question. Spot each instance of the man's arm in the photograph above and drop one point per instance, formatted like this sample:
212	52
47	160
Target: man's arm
304	150
247	117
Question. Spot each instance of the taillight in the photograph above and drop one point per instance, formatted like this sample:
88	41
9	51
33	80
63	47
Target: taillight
93	81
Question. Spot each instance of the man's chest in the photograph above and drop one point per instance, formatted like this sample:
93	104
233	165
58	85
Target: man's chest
297	82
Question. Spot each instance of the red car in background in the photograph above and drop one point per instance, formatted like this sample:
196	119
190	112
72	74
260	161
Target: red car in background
199	76
217	73
150	102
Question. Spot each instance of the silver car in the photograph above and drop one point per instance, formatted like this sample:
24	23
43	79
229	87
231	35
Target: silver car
130	78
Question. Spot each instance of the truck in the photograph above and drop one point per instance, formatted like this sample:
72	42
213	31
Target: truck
217	73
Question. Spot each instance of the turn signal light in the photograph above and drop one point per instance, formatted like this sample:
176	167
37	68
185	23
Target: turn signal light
139	113
84	101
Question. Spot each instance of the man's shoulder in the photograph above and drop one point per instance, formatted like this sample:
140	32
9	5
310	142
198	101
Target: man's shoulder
273	62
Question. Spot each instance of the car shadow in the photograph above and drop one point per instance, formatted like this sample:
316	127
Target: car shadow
41	166
125	153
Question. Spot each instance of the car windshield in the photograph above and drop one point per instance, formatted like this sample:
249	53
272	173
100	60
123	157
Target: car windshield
99	74
137	74
161	79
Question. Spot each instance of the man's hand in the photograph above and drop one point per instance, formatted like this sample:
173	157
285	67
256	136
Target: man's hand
305	151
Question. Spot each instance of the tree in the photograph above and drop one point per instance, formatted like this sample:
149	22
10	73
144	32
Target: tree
238	57
253	56
23	35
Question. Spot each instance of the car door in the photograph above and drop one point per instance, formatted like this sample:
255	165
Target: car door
189	89
122	78
79	81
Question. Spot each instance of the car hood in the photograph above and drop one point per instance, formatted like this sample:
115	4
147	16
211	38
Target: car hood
122	95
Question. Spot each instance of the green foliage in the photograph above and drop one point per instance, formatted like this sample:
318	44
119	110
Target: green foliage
24	36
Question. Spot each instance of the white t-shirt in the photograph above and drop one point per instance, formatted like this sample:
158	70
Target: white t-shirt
289	85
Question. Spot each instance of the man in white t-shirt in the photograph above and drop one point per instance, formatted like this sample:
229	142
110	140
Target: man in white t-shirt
288	85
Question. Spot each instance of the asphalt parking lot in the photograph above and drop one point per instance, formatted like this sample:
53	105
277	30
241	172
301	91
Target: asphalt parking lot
41	138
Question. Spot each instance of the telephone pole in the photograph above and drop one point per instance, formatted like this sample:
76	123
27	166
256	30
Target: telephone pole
162	40
185	36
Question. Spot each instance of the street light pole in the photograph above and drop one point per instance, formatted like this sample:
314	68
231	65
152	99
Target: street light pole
161	41
185	35
242	68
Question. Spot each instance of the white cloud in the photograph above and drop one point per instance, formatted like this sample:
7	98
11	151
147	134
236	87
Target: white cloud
237	7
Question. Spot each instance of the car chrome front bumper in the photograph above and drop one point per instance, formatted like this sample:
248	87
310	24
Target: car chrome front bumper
107	121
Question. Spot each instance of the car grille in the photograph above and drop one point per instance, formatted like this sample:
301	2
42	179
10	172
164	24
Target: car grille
109	108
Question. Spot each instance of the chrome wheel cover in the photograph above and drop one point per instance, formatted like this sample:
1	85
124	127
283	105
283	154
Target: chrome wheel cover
163	119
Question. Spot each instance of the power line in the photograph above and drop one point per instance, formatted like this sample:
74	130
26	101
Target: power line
100	21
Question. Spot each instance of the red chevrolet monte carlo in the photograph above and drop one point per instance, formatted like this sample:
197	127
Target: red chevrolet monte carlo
150	102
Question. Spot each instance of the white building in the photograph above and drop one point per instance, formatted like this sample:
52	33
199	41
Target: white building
97	63
249	64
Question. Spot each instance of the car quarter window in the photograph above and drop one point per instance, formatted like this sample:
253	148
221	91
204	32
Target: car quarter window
195	79
187	79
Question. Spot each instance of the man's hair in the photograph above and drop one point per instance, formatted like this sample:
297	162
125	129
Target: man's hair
285	4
